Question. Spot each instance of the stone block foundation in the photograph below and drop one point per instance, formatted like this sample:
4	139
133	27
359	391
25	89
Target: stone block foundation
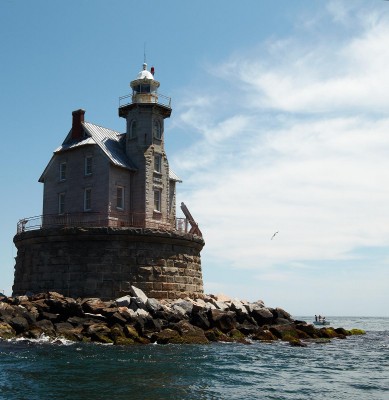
104	262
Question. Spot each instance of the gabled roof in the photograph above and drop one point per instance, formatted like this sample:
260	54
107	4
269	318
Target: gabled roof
108	140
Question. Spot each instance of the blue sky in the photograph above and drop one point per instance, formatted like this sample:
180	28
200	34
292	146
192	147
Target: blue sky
280	123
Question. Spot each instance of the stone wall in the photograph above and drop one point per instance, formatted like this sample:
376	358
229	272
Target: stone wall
104	262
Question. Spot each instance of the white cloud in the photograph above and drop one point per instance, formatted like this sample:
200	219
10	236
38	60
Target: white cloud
320	177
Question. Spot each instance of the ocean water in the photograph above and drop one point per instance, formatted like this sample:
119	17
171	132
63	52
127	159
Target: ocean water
354	368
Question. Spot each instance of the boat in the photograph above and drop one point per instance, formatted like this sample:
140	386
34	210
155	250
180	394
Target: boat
321	322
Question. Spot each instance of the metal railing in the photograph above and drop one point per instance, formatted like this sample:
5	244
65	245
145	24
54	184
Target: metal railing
156	98
95	219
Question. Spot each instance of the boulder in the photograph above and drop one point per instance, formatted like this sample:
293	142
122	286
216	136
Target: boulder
31	310
65	307
237	336
200	319
19	324
139	303
136	292
223	320
238	307
297	343
250	307
308	329
262	316
185	305
263	335
124	301
127	313
99	333
93	305
280	313
328	333
216	335
357	332
153	305
140	312
247	327
190	334
222	297
117	318
167	336
68	331
179	313
98	328
198	305
6	331
219	305
132	334
285	332
41	305
44	326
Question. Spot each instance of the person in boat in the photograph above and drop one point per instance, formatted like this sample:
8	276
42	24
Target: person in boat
319	318
315	317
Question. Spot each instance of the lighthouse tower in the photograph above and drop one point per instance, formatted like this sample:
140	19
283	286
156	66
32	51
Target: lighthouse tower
153	187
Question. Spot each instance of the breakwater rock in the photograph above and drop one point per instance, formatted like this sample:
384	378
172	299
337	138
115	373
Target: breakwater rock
137	319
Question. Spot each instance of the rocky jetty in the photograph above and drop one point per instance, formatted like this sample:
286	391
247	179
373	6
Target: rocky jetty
137	319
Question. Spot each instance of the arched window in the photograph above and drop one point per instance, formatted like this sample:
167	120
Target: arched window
157	130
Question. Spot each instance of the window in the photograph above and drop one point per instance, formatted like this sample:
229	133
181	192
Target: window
120	197
87	199
88	165
61	203
157	200
157	163
62	171
133	129
157	130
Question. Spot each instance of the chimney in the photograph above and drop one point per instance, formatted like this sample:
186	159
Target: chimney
78	118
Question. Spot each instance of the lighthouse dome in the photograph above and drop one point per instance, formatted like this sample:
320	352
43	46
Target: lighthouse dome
144	74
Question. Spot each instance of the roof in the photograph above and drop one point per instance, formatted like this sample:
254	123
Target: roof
144	74
108	140
173	176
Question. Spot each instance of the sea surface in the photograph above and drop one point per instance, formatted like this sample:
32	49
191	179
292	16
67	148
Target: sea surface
354	368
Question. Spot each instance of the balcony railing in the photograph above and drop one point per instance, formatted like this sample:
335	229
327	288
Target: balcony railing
95	219
156	98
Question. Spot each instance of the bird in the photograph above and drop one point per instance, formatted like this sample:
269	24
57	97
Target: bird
275	233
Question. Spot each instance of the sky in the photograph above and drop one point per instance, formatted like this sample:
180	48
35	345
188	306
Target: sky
280	123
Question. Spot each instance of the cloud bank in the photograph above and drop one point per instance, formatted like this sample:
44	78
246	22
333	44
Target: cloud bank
293	137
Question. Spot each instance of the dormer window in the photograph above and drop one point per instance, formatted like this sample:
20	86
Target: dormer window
88	165
62	171
157	130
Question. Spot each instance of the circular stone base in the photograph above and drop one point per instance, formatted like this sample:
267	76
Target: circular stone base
104	262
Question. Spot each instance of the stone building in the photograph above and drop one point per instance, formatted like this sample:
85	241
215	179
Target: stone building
109	210
98	172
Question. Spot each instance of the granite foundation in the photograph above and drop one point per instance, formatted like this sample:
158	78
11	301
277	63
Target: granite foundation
105	262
